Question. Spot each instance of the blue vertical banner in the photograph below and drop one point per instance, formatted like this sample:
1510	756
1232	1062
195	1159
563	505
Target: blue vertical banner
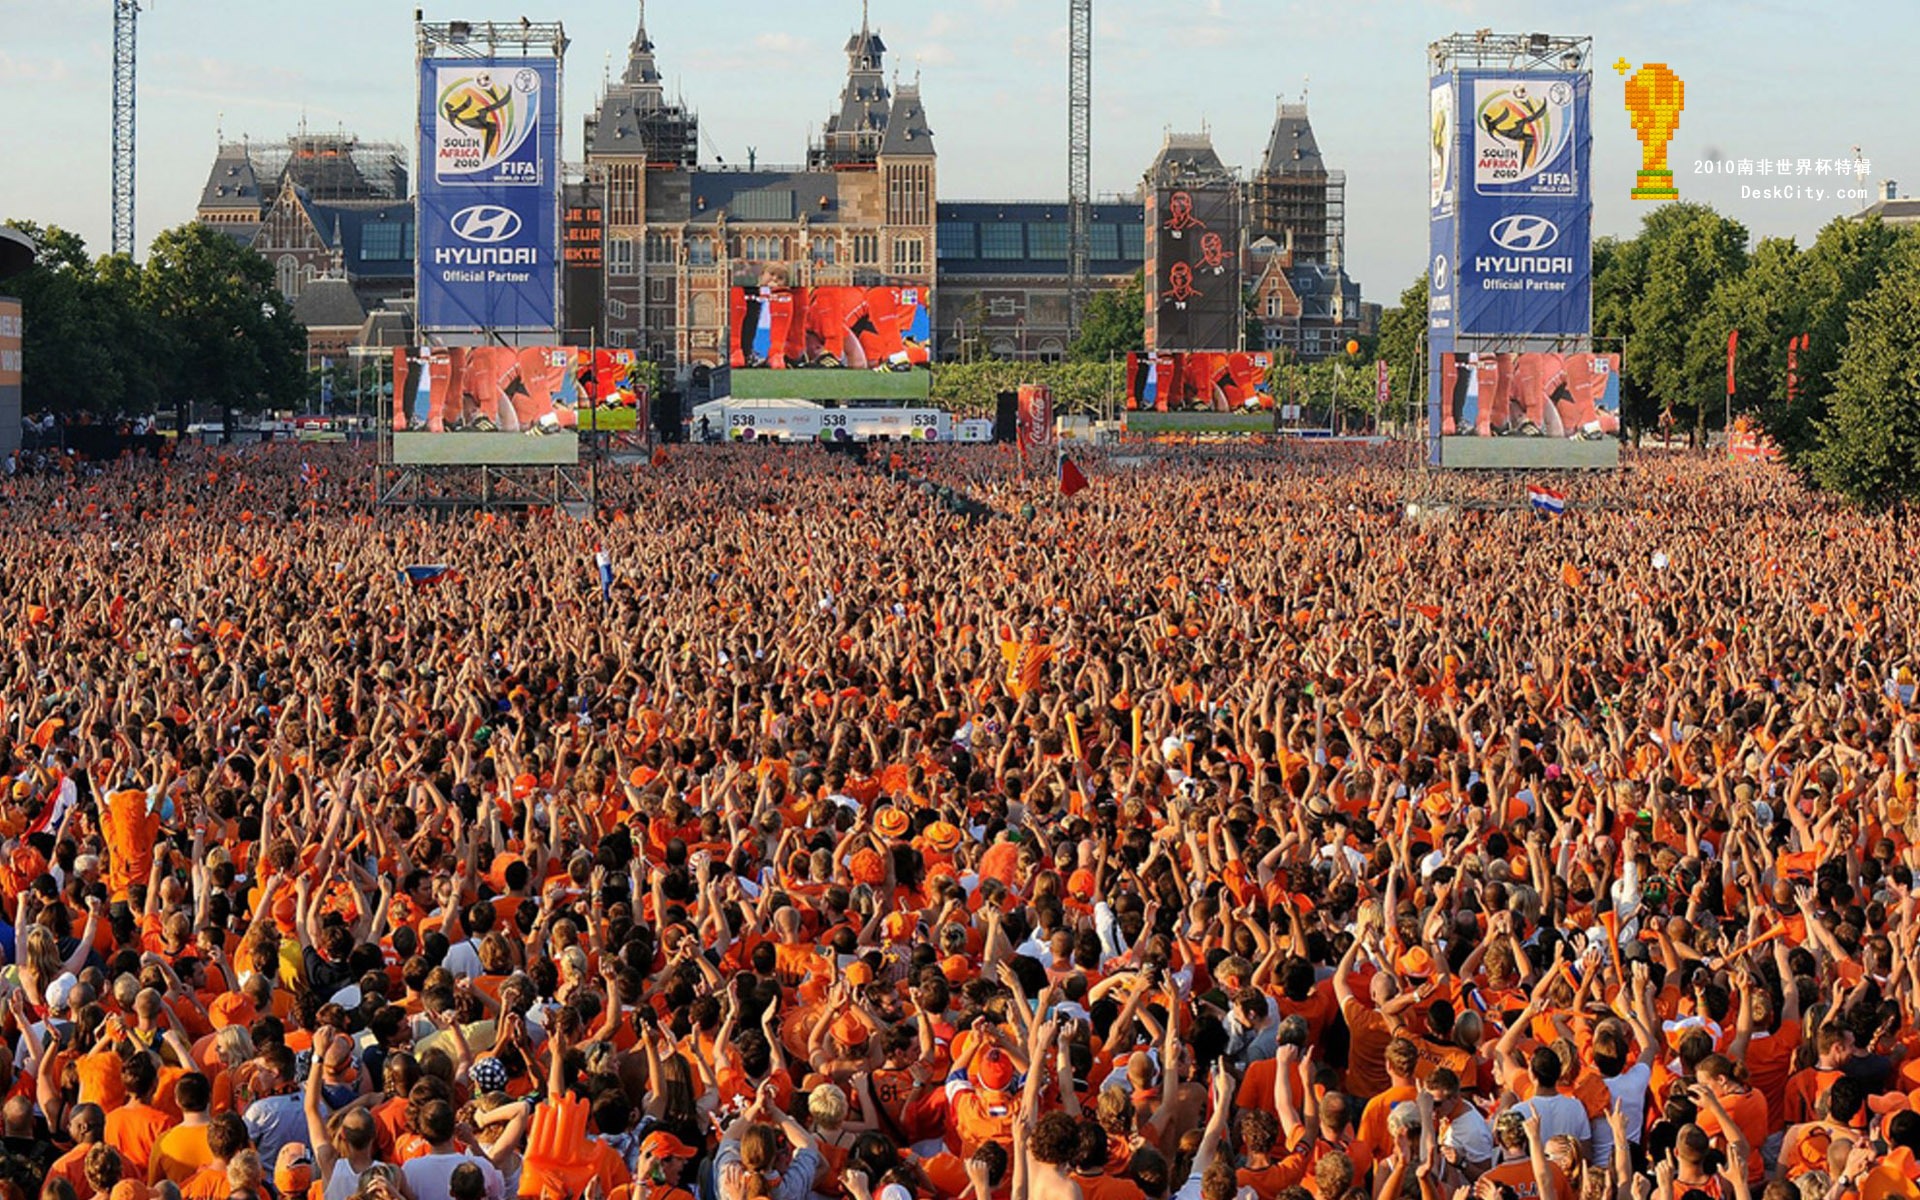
1524	208
1443	170
488	254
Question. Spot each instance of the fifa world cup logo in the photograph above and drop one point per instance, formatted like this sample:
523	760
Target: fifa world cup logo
1655	96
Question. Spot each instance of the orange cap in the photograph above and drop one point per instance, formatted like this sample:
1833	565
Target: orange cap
1080	884
858	974
993	1071
897	926
231	1009
661	1144
1416	963
956	968
293	1172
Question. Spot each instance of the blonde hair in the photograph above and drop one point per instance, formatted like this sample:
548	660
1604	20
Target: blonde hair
233	1045
40	956
828	1106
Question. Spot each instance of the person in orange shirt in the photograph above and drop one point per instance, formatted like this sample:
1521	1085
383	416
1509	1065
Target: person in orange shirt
980	1094
87	1127
1524	1167
182	1150
1731	1110
1402	1059
1370	1025
226	1140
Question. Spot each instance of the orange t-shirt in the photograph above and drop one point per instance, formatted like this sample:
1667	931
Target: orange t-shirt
133	1129
1366	1055
1519	1176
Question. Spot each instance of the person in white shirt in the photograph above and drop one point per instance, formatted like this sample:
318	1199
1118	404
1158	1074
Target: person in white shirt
430	1176
1558	1114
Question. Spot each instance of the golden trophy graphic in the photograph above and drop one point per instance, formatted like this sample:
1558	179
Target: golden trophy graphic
1655	96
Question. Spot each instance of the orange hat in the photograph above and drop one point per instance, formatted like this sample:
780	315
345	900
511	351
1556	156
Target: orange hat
1416	963
231	1009
283	911
858	974
1080	884
661	1144
956	968
897	926
993	1071
943	836
293	1172
523	785
128	1189
497	872
1888	1103
891	822
867	867
850	1030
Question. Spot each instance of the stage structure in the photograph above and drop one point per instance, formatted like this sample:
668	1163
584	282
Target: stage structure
489	409
1513	379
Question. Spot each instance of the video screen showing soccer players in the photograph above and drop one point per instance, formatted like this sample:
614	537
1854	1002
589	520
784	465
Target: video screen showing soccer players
782	327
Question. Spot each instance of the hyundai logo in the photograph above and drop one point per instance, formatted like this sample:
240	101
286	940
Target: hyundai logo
485	224
1440	276
1524	234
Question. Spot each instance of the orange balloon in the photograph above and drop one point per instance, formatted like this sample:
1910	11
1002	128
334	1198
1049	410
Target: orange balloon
1353	347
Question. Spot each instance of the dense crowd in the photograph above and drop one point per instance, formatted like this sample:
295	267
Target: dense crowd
1225	832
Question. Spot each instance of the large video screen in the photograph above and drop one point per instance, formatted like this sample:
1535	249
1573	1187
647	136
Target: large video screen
1198	382
487	406
1527	410
779	327
1193	299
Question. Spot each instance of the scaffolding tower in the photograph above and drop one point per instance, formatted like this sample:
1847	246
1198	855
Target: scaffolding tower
1079	160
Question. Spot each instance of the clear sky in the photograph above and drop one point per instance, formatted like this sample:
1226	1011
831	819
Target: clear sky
1765	78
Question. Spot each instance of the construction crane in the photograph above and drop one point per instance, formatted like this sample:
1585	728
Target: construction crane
1079	157
124	14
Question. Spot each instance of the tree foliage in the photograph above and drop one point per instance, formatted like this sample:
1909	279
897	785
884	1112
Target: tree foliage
1402	329
971	389
1868	443
1114	324
200	321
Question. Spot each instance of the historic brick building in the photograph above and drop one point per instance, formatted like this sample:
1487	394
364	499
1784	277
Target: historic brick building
680	235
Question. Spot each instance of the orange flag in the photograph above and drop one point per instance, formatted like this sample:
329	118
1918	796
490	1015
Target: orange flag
1570	575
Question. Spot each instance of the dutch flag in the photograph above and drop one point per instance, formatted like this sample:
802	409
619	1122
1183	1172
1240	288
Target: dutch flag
1546	501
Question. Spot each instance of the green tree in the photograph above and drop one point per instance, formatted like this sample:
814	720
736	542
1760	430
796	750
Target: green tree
1114	324
1869	443
1760	303
1403	329
78	345
1620	275
972	388
1690	249
1844	263
236	344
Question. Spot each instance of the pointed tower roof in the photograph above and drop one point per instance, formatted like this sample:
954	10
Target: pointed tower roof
641	71
1292	150
635	118
855	133
908	135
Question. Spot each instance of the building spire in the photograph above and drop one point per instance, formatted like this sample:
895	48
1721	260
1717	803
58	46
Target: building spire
864	24
640	65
